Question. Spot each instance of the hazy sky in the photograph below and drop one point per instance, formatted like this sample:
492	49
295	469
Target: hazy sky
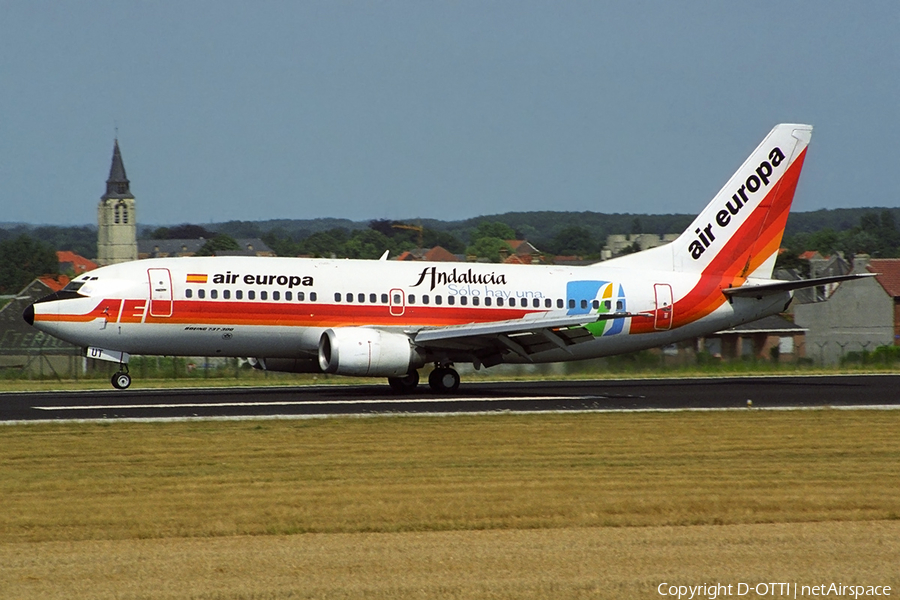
385	109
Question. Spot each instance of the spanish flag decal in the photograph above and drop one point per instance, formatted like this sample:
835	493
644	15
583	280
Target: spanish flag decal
196	278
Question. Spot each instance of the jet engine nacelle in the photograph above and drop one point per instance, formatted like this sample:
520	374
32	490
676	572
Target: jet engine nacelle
366	352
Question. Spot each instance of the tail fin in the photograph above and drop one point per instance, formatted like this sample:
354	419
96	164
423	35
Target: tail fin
738	233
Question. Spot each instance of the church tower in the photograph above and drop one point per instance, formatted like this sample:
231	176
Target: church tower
116	218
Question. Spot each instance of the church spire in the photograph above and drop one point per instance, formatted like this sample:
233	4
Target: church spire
117	186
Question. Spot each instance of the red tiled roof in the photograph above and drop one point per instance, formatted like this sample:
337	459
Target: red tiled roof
888	270
55	282
439	254
79	263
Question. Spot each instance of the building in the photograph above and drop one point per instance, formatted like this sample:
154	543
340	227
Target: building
116	217
769	338
69	262
618	243
859	315
22	347
190	247
436	254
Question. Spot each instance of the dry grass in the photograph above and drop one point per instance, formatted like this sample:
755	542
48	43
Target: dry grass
503	506
561	564
154	480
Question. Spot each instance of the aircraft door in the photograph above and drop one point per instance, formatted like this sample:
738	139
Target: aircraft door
160	292
397	302
663	318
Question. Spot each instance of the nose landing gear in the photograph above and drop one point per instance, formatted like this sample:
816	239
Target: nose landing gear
121	380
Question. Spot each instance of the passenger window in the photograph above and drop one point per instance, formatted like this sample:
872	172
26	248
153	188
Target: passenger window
384	298
189	293
595	304
312	296
438	299
349	297
361	298
276	295
571	302
425	299
524	302
201	293
337	296
397	299
463	300
559	303
301	296
288	296
584	304
487	301
619	305
499	301
536	303
548	303
264	295
226	294
607	304
239	294
475	301
251	295
451	299
373	298
214	294
411	298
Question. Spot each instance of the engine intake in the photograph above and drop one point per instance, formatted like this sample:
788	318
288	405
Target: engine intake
365	352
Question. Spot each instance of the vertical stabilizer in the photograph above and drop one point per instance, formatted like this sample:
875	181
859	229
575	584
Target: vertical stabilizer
739	232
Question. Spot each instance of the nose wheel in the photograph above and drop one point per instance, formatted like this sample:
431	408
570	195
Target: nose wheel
121	380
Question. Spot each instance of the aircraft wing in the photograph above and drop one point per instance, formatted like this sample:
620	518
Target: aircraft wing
529	335
777	287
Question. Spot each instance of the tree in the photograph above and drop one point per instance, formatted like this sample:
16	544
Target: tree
366	243
493	229
573	240
219	243
489	248
22	259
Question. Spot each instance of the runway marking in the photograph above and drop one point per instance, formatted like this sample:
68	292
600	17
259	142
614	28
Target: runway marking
312	403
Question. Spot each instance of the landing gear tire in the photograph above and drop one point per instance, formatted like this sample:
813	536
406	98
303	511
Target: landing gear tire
121	380
444	380
404	385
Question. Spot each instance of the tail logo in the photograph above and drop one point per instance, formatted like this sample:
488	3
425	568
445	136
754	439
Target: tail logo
758	180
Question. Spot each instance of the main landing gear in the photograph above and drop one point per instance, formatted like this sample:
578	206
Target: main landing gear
443	379
121	380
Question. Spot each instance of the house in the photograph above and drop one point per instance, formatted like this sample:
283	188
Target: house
69	262
858	316
523	253
24	347
769	338
436	254
190	247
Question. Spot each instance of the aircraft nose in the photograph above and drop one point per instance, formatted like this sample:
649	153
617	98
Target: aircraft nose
28	315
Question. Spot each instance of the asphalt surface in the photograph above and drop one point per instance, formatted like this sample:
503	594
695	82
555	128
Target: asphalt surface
660	394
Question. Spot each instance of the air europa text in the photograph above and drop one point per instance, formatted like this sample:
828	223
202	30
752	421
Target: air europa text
758	180
283	280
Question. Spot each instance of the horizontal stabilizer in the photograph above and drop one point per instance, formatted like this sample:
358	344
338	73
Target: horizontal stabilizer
766	289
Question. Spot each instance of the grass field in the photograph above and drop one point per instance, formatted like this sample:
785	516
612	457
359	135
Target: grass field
503	506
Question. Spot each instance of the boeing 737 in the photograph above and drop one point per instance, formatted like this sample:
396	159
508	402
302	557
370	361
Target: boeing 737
388	319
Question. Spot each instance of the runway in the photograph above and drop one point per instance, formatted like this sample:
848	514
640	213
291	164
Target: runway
541	396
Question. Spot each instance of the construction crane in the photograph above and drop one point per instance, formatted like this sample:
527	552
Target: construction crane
418	228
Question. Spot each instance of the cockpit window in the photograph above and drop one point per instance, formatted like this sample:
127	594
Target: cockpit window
73	286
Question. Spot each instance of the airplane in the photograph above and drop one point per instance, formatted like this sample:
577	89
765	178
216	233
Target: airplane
388	319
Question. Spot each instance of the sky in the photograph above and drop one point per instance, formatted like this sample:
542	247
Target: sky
229	110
